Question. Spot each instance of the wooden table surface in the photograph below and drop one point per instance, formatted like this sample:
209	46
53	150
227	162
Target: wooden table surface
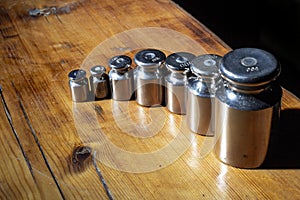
53	148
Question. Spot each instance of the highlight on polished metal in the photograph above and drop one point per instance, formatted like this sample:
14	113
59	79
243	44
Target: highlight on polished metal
110	122
247	107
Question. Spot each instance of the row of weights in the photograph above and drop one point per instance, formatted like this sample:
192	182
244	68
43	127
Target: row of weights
235	98
179	81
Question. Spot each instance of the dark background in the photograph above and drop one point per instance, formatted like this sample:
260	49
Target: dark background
272	25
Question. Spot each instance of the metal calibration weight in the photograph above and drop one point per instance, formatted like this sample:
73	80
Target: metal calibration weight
121	78
201	94
247	106
175	96
149	77
79	85
99	82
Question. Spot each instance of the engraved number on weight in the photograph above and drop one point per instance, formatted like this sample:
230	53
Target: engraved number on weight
186	64
155	59
252	69
250	63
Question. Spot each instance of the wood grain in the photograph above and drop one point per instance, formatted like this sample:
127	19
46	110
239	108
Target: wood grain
138	152
17	181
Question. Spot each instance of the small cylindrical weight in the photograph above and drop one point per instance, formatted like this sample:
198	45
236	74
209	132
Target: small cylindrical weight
201	94
175	82
149	78
121	78
99	82
79	85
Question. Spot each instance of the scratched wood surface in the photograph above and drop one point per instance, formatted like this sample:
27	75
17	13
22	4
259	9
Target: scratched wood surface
53	148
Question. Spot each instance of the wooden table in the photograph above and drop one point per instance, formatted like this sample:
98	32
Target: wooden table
53	148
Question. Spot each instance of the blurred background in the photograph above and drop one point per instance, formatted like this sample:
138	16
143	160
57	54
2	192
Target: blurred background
272	25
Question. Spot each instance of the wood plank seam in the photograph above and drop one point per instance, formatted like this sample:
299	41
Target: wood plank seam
37	141
99	173
9	119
